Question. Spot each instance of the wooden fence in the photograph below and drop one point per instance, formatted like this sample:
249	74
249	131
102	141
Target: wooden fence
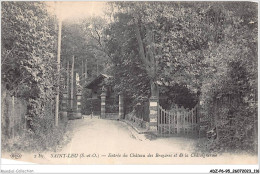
13	116
178	121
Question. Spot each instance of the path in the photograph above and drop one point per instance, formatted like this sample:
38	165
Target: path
99	141
116	137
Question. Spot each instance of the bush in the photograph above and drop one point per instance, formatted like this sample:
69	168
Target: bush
37	141
233	111
24	132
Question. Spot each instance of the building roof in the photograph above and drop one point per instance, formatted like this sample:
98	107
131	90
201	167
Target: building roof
97	81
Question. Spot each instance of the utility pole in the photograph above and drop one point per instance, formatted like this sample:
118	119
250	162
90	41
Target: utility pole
58	70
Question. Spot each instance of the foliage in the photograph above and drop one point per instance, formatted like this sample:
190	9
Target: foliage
28	62
128	71
125	50
177	94
234	73
73	43
83	39
28	48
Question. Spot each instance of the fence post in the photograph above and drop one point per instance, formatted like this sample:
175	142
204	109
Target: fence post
153	112
178	119
121	105
13	119
198	119
103	103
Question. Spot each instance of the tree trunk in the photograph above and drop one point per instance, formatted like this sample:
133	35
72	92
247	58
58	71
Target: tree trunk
154	90
143	57
68	85
72	83
58	69
147	57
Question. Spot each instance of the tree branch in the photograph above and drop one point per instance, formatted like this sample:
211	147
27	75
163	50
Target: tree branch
100	49
151	53
99	38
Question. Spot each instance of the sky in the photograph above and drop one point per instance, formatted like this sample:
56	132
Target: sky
76	9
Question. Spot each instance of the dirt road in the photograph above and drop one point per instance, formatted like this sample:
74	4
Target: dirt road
99	141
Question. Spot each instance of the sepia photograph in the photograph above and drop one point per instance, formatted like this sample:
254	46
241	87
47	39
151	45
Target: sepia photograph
130	83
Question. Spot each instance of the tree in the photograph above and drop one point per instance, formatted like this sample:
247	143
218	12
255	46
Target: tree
160	49
29	66
128	71
28	50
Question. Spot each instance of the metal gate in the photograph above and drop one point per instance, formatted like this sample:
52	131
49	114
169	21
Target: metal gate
91	106
178	121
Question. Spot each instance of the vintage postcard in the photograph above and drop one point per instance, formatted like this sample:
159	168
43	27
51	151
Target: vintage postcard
130	83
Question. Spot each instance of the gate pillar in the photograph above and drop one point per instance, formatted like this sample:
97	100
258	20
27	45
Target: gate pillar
153	111
121	105
103	104
64	107
79	115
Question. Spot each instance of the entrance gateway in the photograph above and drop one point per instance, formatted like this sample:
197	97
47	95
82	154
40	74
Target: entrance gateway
104	102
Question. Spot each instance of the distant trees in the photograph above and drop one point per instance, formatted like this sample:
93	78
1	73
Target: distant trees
83	48
94	28
83	39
